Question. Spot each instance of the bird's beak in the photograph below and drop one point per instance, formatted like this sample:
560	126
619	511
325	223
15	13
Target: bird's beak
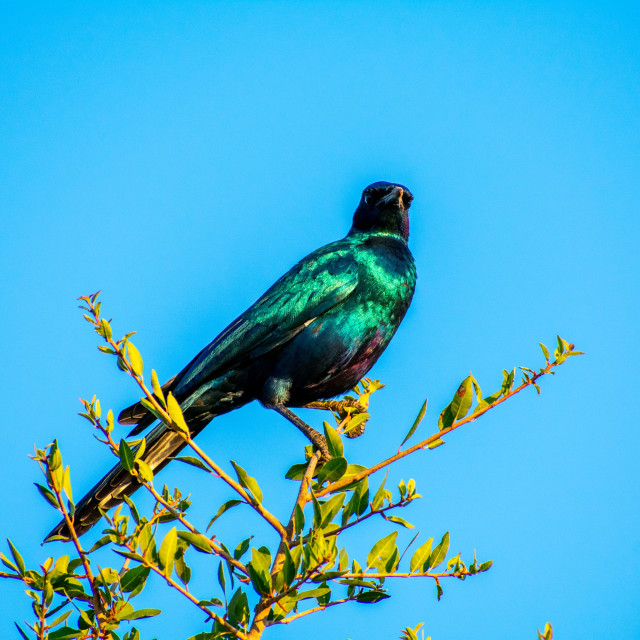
393	197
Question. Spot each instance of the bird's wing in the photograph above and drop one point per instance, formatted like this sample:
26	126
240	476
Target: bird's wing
312	287
316	284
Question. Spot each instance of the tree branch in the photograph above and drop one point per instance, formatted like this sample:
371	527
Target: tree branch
343	482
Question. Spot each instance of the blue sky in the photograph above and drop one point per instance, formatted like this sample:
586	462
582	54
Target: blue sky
181	156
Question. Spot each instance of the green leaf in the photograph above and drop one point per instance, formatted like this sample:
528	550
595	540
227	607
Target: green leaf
463	398
104	349
289	566
562	346
238	608
381	551
356	421
241	549
21	632
157	389
296	471
331	508
545	351
332	470
60	619
144	470
317	511
198	541
229	504
420	557
221	579
55	459
183	570
369	597
134	578
298	519
126	455
105	329
109	575
378	499
48	495
435	444
400	521
140	449
334	442
17	557
194	462
392	562
140	613
167	552
64	633
129	554
362	491
248	482
507	383
135	359
259	570
439	553
66	483
477	389
485	566
312	593
7	563
175	413
151	408
416	422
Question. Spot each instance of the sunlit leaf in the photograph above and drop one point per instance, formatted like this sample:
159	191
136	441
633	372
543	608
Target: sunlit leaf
416	422
400	521
194	462
332	470
229	504
167	552
47	494
439	553
248	482
175	413
369	597
334	442
198	541
381	550
420	557
135	359
126	455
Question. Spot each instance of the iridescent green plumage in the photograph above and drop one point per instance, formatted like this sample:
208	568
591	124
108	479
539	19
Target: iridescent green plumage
314	334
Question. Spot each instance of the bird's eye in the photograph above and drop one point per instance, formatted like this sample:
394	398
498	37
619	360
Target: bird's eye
368	198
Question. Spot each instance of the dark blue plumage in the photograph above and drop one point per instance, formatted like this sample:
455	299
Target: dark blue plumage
313	335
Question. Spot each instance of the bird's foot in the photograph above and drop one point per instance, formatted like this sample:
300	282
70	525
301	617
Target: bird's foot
316	438
356	432
341	407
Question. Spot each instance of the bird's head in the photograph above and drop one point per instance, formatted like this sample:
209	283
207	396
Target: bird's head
384	206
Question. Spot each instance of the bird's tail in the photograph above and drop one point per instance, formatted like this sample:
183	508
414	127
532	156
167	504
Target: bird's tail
162	444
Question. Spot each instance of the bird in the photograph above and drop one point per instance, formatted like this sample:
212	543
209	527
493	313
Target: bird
312	335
